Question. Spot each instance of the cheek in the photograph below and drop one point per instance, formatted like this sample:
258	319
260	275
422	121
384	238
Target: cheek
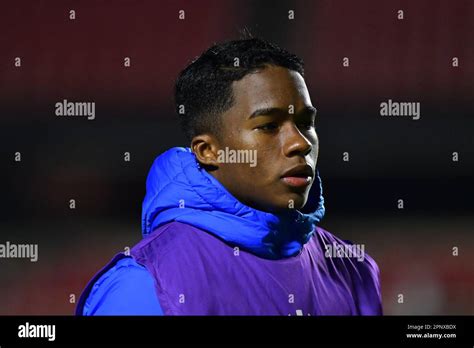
267	152
266	146
313	138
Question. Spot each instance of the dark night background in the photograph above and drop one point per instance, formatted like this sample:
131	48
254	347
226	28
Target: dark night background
67	158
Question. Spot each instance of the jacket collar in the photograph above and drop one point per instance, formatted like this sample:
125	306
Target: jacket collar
178	189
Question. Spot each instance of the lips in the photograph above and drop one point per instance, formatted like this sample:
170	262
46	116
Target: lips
298	176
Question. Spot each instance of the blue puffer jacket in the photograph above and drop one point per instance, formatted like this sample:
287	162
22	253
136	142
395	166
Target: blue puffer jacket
178	189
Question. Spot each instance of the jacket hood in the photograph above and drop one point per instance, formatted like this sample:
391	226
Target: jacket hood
178	189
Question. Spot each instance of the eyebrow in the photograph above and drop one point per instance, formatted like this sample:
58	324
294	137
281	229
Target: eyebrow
280	111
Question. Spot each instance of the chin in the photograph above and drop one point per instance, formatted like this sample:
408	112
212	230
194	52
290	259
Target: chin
282	203
299	201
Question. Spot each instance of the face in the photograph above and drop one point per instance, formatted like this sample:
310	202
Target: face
272	117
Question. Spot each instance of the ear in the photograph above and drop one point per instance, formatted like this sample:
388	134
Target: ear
206	147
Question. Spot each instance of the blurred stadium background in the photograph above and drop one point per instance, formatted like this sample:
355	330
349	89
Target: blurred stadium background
73	158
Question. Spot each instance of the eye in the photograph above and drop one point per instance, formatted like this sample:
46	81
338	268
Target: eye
308	125
268	126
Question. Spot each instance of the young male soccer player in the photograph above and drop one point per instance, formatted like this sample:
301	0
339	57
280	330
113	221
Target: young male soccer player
229	223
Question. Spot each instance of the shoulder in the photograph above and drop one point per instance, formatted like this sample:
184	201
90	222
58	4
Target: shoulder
171	231
334	247
127	288
167	240
362	268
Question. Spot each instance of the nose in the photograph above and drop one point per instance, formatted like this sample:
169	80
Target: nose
295	143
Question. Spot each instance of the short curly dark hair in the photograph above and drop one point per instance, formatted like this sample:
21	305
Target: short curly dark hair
203	89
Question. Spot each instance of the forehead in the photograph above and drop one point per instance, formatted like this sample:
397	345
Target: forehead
270	87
